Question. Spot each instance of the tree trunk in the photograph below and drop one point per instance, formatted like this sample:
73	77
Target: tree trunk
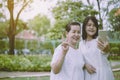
11	35
11	32
11	44
13	23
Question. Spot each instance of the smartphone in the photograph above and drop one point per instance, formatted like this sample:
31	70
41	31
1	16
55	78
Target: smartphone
102	35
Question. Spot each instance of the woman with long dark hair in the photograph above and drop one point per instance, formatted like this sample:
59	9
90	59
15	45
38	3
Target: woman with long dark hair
95	52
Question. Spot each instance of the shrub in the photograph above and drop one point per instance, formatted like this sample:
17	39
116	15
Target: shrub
114	50
25	63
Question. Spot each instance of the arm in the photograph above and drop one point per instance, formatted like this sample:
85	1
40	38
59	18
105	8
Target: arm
57	65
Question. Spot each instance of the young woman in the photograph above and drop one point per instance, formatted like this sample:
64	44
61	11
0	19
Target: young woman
67	62
95	52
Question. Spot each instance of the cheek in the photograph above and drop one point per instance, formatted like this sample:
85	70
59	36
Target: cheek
95	30
86	29
68	35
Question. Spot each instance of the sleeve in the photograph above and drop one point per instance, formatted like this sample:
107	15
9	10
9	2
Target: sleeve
81	50
56	54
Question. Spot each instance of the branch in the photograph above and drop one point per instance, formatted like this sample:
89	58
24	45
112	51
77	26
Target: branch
88	1
16	21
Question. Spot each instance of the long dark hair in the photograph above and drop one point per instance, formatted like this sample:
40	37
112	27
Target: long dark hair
95	21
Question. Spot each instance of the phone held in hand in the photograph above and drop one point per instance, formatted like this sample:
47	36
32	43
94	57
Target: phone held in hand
102	36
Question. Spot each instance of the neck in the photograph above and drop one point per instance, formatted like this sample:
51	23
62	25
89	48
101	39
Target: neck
75	46
89	38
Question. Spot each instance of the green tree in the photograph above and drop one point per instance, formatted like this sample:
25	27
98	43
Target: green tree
2	29
66	11
114	19
11	32
40	24
5	24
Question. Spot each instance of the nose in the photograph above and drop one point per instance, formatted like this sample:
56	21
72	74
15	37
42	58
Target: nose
77	34
91	26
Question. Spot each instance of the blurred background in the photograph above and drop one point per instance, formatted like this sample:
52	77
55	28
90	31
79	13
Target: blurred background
36	26
31	29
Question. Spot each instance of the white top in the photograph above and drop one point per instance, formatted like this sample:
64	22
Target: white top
72	68
97	59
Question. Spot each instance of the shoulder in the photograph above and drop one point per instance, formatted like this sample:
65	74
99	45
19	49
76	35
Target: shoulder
81	42
58	47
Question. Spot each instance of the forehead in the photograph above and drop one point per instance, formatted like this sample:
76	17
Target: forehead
75	27
90	21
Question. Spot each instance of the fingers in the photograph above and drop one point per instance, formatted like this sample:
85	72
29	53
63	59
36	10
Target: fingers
93	70
103	46
100	40
100	45
65	46
90	68
106	47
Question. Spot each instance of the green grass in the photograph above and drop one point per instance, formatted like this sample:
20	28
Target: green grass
116	74
27	78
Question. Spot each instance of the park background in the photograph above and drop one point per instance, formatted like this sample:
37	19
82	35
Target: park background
31	29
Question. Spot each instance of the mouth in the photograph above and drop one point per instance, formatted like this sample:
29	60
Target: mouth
91	30
76	38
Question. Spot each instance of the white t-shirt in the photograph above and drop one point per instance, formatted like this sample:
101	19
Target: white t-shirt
72	68
97	59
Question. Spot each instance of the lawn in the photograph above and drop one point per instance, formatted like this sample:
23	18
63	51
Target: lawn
116	74
27	78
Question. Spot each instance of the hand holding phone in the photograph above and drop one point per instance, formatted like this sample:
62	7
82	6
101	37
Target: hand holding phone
103	42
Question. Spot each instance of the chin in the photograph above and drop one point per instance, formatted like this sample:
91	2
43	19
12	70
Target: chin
92	34
75	42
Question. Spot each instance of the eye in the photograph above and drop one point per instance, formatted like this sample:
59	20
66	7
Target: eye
88	24
73	31
79	32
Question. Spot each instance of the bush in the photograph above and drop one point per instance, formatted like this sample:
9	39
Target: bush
114	50
25	63
115	47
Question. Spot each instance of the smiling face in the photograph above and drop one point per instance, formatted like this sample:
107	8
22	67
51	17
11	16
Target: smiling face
90	29
73	36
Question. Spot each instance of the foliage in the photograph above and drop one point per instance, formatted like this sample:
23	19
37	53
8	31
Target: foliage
114	51
114	19
3	45
104	10
21	26
25	63
40	24
114	35
34	46
3	26
67	11
114	3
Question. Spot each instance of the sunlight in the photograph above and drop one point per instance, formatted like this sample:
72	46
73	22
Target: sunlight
38	6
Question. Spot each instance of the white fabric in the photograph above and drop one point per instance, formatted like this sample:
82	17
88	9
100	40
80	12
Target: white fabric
72	68
93	56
